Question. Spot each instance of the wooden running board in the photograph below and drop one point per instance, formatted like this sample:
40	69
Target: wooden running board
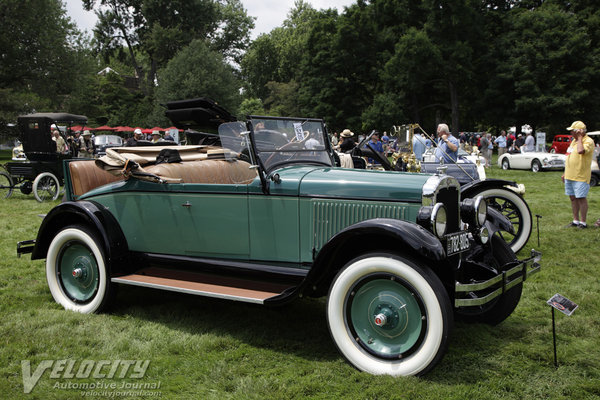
201	284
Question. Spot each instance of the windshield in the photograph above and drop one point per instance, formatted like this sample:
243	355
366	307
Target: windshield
284	141
108	140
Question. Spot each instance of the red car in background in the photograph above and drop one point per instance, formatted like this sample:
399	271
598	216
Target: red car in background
560	144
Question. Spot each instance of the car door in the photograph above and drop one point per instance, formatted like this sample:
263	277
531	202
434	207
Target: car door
203	220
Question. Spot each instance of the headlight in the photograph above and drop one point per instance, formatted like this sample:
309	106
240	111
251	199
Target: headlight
481	207
439	220
474	211
484	235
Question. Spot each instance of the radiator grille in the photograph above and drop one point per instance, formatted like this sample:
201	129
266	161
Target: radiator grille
331	216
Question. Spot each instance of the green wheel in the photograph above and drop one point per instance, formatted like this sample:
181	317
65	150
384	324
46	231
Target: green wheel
76	271
389	316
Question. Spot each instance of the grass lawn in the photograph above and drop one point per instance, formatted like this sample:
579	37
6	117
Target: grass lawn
207	348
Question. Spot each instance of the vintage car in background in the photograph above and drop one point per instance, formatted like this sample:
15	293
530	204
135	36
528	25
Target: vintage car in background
560	144
103	142
41	172
265	217
534	160
504	196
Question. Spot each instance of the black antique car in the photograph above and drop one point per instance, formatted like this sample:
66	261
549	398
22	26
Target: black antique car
502	195
42	171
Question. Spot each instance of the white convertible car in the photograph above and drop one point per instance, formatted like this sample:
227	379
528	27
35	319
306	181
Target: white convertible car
533	160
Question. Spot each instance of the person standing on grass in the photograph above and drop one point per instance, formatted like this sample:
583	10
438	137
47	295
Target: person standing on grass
578	171
502	143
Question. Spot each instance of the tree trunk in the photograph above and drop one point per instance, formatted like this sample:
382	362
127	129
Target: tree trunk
454	107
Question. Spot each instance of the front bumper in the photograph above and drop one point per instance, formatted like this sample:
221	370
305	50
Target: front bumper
25	247
480	293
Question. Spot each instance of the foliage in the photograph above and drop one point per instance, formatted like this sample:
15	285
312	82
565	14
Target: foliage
158	29
209	348
469	63
198	71
250	106
43	55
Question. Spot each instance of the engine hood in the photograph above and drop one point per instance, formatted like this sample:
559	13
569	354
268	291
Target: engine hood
351	184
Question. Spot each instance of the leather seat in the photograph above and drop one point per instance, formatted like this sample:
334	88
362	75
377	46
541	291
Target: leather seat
85	176
206	171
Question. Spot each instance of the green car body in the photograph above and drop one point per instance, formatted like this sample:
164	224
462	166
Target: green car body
399	255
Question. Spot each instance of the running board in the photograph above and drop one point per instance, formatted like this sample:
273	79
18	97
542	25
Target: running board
221	287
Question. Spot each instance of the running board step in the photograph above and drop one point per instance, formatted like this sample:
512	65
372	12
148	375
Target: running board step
222	287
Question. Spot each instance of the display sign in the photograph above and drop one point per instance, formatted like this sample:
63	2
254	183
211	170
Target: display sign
562	304
298	131
540	141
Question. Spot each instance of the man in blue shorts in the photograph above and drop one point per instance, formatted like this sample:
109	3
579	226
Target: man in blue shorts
578	171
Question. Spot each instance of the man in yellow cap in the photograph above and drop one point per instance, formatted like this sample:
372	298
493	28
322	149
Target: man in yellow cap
578	171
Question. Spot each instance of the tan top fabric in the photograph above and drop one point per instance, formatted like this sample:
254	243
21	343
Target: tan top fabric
579	166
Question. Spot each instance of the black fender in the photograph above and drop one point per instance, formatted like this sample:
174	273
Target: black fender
496	221
472	188
88	213
408	237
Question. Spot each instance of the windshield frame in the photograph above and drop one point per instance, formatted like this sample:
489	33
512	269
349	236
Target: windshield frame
259	152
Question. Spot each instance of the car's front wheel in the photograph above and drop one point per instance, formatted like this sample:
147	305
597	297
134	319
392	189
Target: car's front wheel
593	181
536	166
387	315
513	207
505	164
76	270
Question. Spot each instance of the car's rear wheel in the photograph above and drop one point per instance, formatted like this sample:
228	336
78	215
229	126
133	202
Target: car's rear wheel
6	185
593	181
502	306
536	166
387	315
76	270
46	187
513	207
505	164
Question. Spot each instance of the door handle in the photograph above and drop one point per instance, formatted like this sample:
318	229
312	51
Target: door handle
186	204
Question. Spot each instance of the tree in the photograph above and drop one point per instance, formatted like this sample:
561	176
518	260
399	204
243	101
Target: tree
251	106
197	71
157	29
40	49
541	63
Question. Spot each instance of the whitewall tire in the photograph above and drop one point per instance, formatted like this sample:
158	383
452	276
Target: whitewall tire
515	208
389	316
76	271
46	187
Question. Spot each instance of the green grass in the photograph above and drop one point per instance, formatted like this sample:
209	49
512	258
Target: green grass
206	348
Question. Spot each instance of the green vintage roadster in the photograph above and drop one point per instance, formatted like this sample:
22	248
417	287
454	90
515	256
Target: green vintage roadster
263	216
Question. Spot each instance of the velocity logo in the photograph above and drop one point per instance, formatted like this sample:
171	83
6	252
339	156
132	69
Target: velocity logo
84	369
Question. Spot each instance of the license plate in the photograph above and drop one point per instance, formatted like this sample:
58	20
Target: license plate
457	243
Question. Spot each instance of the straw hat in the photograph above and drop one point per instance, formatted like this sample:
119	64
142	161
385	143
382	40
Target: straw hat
347	133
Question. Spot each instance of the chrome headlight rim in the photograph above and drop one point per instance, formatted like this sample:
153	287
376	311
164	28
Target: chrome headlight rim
439	220
480	211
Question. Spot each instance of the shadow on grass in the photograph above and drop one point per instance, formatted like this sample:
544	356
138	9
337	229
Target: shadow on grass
300	329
